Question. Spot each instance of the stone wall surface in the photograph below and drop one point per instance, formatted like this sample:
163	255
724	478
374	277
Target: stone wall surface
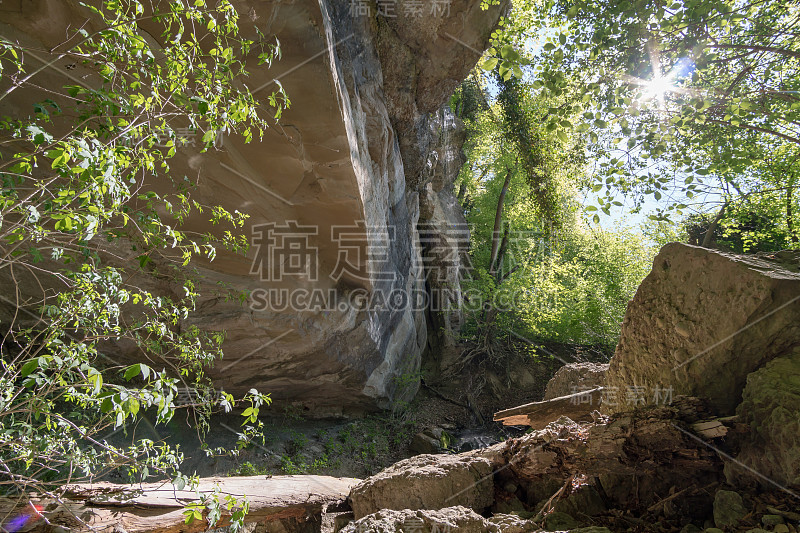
364	146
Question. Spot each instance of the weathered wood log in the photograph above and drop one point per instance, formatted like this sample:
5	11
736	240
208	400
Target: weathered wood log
158	507
578	407
710	429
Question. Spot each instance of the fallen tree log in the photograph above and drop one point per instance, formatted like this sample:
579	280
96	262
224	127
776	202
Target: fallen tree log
159	507
578	407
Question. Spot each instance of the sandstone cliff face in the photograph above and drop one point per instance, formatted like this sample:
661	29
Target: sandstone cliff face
362	157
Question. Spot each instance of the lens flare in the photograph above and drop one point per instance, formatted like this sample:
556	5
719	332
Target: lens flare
662	84
658	87
30	514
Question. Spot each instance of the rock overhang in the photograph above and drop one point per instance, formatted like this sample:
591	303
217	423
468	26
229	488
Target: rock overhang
334	164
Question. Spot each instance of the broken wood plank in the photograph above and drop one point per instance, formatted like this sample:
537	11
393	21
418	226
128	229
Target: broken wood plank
578	407
152	507
710	429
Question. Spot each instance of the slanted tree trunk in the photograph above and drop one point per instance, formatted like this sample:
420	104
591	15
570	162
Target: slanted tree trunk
498	222
497	270
462	191
709	236
789	213
489	311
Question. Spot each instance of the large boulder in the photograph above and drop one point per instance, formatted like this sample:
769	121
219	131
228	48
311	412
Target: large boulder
771	409
575	377
455	518
700	323
447	520
427	482
634	457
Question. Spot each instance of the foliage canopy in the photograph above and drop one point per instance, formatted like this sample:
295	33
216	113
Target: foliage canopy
693	103
88	205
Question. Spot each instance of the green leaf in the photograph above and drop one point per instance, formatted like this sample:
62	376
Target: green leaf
489	64
107	405
95	379
38	135
132	371
507	51
29	367
133	406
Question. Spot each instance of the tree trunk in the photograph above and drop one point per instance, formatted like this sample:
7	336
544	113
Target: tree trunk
498	221
462	190
497	267
789	213
296	502
709	236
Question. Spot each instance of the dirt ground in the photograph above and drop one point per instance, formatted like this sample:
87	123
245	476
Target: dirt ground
461	407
